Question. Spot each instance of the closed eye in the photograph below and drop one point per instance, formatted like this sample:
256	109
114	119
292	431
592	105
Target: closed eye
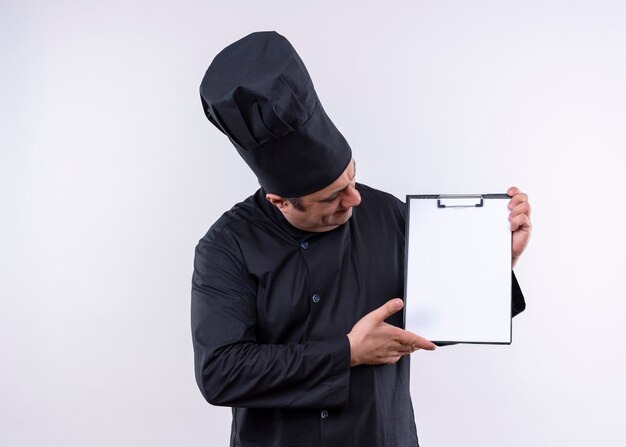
332	198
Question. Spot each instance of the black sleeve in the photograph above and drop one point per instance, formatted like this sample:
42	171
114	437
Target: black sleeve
518	304
232	369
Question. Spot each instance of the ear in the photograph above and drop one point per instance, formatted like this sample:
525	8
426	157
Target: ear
278	201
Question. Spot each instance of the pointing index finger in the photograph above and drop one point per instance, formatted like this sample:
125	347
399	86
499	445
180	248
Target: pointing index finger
417	342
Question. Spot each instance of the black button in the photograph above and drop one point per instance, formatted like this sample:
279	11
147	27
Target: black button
304	244
324	414
316	298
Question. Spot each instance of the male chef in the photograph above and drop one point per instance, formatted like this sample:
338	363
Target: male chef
296	318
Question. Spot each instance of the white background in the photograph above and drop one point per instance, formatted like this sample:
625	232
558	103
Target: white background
110	173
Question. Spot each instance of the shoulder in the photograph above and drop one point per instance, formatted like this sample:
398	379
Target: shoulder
219	261
372	198
240	219
220	254
379	213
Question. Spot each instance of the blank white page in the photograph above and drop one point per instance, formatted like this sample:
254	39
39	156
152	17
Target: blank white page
458	270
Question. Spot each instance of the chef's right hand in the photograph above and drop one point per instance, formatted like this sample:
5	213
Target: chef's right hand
374	342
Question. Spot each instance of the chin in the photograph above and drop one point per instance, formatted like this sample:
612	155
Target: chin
343	216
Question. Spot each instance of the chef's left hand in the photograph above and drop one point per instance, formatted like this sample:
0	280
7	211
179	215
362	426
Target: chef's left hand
520	222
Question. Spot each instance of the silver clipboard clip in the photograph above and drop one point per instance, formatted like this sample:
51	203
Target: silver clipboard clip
460	201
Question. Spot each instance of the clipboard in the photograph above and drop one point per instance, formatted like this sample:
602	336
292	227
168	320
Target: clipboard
458	268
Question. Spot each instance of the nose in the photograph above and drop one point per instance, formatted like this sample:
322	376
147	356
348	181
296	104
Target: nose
350	197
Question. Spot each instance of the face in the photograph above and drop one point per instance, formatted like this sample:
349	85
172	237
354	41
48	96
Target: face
323	210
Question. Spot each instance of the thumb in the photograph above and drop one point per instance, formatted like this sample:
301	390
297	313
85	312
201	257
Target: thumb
387	310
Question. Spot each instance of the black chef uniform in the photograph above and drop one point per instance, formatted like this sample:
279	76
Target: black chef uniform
271	304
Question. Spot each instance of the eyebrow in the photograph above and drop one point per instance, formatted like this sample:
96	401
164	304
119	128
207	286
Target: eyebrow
334	194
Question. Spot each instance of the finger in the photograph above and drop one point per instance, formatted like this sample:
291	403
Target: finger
522	208
408	350
400	350
415	341
424	344
521	221
512	191
404	346
386	310
517	199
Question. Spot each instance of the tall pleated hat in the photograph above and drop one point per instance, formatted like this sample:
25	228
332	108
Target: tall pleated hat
258	92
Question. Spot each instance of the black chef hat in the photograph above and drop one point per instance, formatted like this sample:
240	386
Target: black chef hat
259	93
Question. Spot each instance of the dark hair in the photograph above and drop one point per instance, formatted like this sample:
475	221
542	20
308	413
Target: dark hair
296	202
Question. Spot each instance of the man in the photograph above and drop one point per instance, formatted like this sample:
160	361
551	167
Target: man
294	320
